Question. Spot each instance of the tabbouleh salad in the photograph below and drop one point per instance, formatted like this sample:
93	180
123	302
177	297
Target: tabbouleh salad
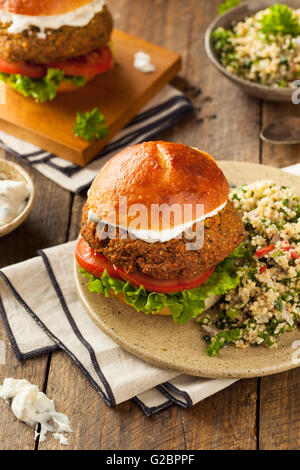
264	48
266	303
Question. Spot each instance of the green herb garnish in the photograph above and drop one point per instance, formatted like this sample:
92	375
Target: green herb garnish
221	340
90	125
279	305
227	5
233	313
221	38
280	21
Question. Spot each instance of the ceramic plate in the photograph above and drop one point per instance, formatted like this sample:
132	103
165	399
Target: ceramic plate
160	341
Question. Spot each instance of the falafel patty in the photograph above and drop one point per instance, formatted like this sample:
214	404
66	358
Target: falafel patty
169	260
59	45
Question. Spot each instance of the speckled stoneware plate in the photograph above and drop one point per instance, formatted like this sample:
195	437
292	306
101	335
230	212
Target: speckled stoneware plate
12	171
246	9
160	341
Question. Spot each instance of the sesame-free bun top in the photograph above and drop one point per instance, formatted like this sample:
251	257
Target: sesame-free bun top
157	173
41	7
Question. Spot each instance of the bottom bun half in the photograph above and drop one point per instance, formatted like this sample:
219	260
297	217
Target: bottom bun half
166	311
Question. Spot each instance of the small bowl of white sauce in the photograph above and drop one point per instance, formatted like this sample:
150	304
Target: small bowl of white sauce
16	196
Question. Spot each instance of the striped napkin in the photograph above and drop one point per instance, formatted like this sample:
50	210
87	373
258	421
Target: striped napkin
161	113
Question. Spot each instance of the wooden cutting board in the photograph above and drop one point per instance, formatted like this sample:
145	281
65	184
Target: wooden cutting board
119	94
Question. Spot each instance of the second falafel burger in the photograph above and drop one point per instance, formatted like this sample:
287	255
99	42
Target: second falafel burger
51	46
159	232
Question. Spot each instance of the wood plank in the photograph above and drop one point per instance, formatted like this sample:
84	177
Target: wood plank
280	411
224	421
96	426
47	225
119	93
15	435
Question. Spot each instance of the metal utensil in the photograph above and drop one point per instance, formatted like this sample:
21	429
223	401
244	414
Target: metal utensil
282	131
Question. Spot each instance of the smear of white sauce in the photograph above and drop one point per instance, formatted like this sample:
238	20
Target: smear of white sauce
32	407
61	438
13	196
152	236
79	17
142	62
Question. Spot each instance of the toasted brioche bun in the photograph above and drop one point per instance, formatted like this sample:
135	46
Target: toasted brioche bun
157	173
41	7
166	312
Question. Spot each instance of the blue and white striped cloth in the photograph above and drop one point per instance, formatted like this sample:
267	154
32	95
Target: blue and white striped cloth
161	113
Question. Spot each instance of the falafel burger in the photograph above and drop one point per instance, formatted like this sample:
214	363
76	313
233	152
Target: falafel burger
52	46
159	232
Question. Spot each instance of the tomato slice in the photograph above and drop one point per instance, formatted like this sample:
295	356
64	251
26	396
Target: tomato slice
93	262
165	286
23	68
89	65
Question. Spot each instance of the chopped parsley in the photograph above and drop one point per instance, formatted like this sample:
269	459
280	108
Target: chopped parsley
90	125
221	340
280	21
279	305
227	5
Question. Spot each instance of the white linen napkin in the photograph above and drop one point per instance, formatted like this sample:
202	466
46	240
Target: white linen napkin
41	312
162	112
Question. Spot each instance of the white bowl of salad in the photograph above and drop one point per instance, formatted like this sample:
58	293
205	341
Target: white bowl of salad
256	45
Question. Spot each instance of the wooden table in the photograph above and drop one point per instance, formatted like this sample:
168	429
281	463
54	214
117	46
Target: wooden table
251	414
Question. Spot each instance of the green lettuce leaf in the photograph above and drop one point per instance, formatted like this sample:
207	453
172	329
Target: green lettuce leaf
40	89
183	305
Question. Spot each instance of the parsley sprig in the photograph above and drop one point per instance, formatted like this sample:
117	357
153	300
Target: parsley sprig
280	20
227	5
90	125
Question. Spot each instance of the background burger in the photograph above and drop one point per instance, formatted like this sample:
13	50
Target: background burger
157	275
48	46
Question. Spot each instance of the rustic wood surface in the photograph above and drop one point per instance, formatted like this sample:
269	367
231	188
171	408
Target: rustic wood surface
251	414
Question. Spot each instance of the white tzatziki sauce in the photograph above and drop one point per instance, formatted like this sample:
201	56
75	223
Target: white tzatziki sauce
142	62
32	407
13	198
79	17
152	236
